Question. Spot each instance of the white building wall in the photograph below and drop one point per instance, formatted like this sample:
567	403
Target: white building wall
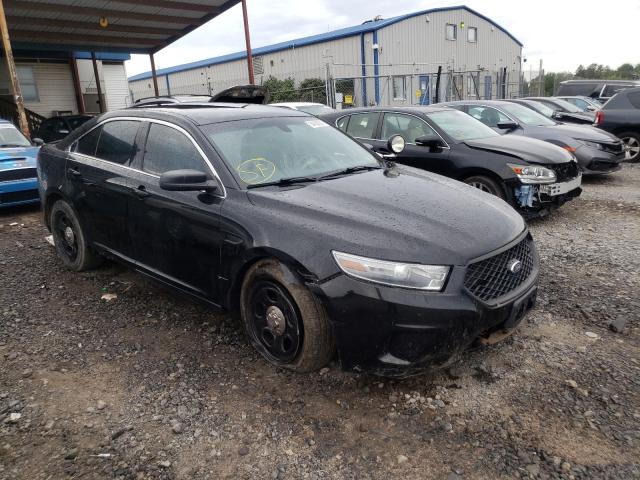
116	86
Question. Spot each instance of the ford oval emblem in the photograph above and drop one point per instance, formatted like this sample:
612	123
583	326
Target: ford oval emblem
514	266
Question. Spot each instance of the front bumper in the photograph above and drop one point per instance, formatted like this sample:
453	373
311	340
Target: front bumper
535	201
398	332
19	192
597	162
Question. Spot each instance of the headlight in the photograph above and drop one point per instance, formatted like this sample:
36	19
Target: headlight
407	275
532	174
595	145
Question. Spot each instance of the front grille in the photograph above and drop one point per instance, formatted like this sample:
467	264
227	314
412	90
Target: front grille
491	278
565	171
20	196
18	174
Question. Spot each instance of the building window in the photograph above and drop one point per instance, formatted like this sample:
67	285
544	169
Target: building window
258	69
452	31
472	34
399	88
28	84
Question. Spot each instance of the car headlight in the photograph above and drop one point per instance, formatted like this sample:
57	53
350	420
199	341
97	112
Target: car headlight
533	174
595	145
407	275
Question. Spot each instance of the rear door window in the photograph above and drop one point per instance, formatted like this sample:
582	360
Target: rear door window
363	125
117	142
611	90
169	149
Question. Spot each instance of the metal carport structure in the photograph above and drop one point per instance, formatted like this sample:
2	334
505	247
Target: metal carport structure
126	26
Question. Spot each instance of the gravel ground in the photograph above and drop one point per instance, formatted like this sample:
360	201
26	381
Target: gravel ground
148	385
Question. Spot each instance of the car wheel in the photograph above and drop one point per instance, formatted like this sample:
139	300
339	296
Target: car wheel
486	184
283	320
70	240
632	141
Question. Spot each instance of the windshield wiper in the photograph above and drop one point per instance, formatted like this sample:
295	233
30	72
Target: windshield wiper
283	182
346	171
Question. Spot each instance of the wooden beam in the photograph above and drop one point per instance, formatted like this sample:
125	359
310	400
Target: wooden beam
13	74
76	84
86	39
154	76
192	7
97	77
100	12
247	40
14	21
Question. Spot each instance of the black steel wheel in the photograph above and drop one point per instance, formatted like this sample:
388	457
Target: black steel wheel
274	321
284	321
486	184
69	238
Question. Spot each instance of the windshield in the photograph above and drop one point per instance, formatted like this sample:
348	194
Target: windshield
569	107
10	136
545	110
267	150
527	116
461	126
315	109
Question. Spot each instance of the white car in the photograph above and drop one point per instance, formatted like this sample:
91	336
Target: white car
307	107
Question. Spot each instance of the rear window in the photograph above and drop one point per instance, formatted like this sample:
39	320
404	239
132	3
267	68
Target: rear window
611	90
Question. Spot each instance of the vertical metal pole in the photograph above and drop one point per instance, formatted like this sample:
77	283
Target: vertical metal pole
247	40
154	75
541	76
13	74
97	77
76	84
436	97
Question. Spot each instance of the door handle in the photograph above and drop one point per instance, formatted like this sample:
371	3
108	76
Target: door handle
141	192
74	172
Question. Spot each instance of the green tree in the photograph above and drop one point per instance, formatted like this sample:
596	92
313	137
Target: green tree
313	90
281	90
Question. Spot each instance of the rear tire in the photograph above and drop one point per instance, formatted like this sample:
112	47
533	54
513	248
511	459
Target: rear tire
284	321
70	240
486	184
632	140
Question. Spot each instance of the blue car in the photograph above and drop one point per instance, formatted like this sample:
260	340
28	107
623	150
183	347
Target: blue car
18	175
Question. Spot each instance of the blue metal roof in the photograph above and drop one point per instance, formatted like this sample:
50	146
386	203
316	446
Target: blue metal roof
323	37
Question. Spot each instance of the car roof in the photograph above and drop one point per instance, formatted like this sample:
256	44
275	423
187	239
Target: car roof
494	103
206	113
298	104
624	82
412	109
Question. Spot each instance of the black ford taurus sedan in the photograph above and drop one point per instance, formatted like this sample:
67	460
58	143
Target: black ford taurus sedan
308	235
531	175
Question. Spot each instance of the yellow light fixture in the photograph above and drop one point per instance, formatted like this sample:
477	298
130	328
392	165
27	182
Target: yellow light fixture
461	24
104	22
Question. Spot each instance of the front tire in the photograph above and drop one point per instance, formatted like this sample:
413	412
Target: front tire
70	240
486	184
631	140
285	323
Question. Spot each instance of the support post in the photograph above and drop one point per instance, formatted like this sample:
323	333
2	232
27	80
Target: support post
13	74
97	77
436	98
154	75
247	39
76	84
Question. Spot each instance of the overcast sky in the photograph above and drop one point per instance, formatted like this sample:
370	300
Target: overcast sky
564	33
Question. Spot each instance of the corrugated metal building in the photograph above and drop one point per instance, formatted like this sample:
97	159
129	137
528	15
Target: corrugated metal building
385	61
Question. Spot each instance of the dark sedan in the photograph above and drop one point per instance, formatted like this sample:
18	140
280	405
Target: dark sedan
621	116
531	175
307	234
56	128
565	111
597	152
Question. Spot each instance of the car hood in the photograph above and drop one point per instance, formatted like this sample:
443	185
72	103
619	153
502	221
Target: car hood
18	157
530	150
412	217
583	132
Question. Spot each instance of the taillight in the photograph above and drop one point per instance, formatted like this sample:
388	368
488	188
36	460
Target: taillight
599	117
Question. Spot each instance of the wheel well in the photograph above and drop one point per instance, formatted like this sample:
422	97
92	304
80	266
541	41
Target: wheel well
50	200
472	172
233	296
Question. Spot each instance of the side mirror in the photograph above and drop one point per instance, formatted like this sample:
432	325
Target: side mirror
38	142
368	146
507	125
591	108
433	143
396	144
186	181
557	115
